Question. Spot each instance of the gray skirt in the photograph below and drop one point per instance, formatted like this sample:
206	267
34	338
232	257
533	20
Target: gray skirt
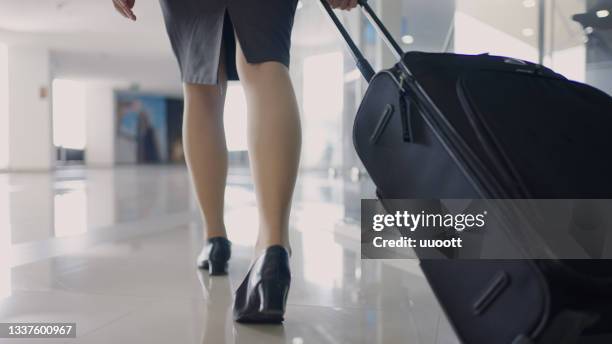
199	29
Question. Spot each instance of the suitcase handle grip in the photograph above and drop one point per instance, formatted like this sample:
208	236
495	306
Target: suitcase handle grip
363	64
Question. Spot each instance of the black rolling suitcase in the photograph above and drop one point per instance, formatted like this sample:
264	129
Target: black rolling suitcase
450	126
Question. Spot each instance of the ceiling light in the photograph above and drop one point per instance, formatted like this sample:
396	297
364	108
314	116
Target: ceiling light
602	13
528	32
589	30
529	3
407	39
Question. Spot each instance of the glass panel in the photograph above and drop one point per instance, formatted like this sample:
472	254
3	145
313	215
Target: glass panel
581	41
499	27
574	37
323	101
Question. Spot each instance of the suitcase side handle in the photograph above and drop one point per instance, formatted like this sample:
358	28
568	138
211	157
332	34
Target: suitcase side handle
363	64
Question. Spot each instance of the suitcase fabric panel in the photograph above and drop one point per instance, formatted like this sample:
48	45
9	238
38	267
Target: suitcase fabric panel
403	169
555	134
567	160
486	294
439	74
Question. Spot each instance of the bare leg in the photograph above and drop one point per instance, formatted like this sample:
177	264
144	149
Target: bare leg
274	136
206	149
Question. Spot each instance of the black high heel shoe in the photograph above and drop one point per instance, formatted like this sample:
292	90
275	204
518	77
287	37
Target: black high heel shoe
215	255
262	296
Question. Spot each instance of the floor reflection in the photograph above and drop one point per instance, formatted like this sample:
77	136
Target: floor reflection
251	334
217	314
325	266
71	201
134	280
70	212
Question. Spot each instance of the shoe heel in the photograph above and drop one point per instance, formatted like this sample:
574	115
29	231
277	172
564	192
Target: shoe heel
273	298
216	268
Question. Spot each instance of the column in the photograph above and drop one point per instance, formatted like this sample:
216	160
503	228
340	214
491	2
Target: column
100	125
4	108
30	145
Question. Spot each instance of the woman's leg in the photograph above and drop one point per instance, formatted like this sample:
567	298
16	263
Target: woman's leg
274	137
206	149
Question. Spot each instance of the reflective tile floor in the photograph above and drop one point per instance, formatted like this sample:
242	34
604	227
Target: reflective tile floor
113	251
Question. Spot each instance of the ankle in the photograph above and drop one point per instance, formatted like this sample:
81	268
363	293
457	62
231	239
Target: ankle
217	233
262	245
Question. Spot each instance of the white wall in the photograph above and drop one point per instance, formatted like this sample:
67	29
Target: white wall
4	108
151	74
69	114
30	146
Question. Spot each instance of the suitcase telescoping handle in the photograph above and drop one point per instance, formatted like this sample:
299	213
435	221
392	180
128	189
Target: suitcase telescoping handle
363	64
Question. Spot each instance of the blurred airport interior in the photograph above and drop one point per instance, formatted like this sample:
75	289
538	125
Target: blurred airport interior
96	211
79	83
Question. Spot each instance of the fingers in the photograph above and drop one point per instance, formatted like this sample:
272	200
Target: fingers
335	3
349	5
120	10
125	8
343	4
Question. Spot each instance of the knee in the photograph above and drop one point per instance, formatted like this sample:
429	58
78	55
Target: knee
202	94
260	73
200	90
